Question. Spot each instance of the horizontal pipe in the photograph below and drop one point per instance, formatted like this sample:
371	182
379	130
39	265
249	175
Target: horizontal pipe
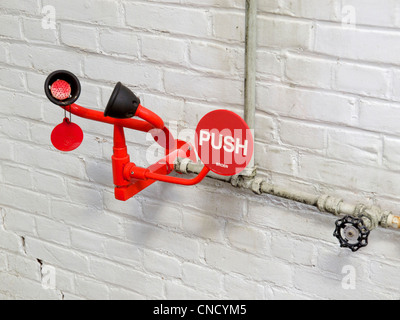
373	216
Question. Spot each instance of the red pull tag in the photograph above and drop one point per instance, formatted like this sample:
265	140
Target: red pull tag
67	136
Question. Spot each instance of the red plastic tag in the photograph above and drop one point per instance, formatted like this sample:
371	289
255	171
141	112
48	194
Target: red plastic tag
224	142
67	136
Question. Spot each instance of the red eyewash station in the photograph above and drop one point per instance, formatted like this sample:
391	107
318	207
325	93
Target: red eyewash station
63	89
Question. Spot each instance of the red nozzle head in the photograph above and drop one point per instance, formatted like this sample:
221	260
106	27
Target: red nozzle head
62	88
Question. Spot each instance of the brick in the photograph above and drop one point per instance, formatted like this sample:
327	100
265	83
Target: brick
25	200
160	239
24	106
91	289
15	128
84	194
103	12
86	217
309	281
240	289
229	27
10	241
370	180
164	265
309	71
128	73
49	160
302	135
229	260
154	49
33	31
19	222
358	147
29	6
3	262
248	238
10	26
17	176
276	217
162	214
3	51
177	291
45	59
48	183
119	42
24	288
203	88
201	278
207	201
12	79
117	293
84	38
202	225
171	110
170	19
295	251
378	116
361	44
24	267
56	255
366	12
123	252
283	33
391	152
305	8
6	150
275	158
306	104
87	241
52	231
265	129
127	278
363	80
213	3
269	64
216	57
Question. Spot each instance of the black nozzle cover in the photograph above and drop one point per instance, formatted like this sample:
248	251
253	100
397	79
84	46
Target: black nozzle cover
123	103
68	77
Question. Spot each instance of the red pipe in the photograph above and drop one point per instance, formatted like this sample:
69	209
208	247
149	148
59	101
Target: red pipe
99	116
150	117
128	178
175	180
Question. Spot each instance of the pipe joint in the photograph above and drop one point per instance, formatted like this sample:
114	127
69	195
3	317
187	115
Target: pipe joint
329	204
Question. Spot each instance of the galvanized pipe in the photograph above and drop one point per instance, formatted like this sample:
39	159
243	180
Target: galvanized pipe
372	216
250	65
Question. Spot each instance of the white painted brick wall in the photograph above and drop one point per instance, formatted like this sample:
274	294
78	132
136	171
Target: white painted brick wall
327	121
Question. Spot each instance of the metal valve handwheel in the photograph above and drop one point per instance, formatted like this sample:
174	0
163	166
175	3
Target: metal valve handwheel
352	233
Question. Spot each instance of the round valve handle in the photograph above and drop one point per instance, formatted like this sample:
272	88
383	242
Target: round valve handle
351	233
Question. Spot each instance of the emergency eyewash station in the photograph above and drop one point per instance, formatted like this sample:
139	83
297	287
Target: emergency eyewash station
235	163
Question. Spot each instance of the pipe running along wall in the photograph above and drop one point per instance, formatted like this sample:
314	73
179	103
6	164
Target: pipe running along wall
372	216
250	65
